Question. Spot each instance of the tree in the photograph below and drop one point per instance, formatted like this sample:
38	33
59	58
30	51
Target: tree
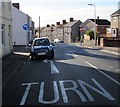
90	33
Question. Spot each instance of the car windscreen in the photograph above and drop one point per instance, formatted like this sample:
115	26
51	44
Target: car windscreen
41	42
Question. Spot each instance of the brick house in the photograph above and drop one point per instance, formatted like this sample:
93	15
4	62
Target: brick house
101	25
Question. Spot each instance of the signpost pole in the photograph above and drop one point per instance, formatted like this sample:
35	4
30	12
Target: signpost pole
26	27
26	40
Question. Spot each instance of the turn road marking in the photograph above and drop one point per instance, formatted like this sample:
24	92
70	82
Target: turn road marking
84	96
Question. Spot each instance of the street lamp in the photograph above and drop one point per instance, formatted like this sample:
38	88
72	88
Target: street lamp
94	22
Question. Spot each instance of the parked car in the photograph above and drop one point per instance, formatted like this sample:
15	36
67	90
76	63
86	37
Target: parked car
56	40
61	41
41	47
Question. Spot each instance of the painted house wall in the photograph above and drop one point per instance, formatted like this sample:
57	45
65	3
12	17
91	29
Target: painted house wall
19	19
6	28
71	31
115	25
75	31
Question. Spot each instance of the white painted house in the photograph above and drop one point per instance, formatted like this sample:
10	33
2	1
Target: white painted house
5	29
21	36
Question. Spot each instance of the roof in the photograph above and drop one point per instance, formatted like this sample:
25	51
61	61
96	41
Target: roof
101	21
116	13
71	23
61	25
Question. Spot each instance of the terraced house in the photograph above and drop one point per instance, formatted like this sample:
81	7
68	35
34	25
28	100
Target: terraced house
71	30
6	28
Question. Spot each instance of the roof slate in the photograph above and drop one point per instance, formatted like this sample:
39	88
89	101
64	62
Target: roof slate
101	21
116	13
69	24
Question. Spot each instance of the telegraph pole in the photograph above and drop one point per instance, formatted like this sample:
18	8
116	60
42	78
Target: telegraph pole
39	26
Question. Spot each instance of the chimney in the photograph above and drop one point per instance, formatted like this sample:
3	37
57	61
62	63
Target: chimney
97	17
71	19
57	23
64	21
48	25
16	5
52	25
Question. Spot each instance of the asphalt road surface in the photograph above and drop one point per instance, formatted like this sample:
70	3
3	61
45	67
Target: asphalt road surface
76	76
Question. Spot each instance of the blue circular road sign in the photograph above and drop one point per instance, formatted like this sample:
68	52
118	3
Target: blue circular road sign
25	27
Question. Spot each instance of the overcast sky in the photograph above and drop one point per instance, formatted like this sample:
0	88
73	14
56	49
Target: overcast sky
52	11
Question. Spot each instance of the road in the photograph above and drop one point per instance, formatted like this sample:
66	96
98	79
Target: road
76	76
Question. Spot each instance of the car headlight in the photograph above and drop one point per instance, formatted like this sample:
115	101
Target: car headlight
50	48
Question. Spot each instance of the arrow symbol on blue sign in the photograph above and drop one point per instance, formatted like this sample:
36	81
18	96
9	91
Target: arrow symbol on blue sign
25	27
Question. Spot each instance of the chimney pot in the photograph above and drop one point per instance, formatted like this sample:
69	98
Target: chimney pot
71	19
48	25
57	23
52	25
64	21
16	5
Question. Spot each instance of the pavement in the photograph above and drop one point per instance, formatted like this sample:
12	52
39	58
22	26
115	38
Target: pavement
111	50
14	61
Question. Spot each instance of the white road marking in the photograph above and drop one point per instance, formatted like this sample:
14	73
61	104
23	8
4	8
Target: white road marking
107	51
41	93
102	91
22	53
103	73
54	69
26	92
73	54
74	88
63	90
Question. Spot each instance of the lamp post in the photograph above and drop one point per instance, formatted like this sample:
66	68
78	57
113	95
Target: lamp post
52	29
94	22
39	26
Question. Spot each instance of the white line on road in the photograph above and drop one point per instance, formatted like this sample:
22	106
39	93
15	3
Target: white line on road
107	51
103	73
54	69
26	92
73	54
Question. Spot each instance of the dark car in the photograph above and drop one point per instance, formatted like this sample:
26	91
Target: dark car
41	47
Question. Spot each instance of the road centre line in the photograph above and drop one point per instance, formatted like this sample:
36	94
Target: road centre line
103	73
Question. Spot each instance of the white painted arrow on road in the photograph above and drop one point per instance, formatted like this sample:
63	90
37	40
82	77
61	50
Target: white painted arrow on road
54	69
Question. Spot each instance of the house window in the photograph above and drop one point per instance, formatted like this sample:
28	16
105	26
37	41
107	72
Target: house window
3	33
